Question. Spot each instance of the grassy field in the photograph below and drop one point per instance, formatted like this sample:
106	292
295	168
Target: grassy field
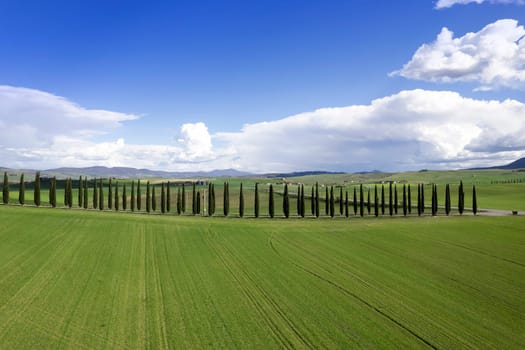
72	279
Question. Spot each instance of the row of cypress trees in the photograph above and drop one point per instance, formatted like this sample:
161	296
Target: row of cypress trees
115	198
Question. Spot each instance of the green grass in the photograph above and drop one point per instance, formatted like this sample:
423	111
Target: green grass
72	279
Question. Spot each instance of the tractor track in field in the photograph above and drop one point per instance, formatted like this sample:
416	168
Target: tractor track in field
355	296
243	280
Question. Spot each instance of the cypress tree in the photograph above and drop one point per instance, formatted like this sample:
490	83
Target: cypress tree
332	202
194	199
271	211
404	200
162	199
376	200
241	202
409	200
132	199
395	199
70	193
148	202
422	198
312	202
447	199
213	198
209	200
36	195
124	198
66	193
286	202
361	201
21	190
461	198
368	201
100	195
168	197
53	192
80	194
154	199
179	208
226	199
116	204
382	199
298	200
346	203
86	194
326	202
355	201
390	200
302	202
183	199
419	199
474	200
5	189
95	194
317	209
198	202
139	196
110	195
256	201
341	201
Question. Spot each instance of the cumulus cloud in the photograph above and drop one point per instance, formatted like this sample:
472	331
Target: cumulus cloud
449	3
493	57
409	130
196	141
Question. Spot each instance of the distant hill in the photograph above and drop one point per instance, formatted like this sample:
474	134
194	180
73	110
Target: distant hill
517	164
125	172
300	173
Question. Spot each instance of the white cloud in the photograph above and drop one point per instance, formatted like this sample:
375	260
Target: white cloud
494	56
449	3
408	130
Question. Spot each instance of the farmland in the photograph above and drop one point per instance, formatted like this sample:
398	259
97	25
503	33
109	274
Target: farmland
83	279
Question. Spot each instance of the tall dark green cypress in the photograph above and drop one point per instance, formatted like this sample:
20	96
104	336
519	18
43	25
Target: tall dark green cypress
179	208
226	199
124	198
110	194
376	202
405	200
271	210
346	203
80	194
36	195
395	200
198	203
461	198
256	201
154	199
132	197
116	204
474	200
241	202
21	190
194	199
101	195
95	194
382	199
5	189
298	200
213	201
355	201
361	201
85	192
368	201
447	199
419	199
139	196
70	193
326	202
209	200
341	204
162	198
286	202
332	202
422	198
66	193
168	197
409	200
53	192
317	208
148	202
390	200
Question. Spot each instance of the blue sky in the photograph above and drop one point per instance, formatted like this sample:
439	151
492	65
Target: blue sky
211	84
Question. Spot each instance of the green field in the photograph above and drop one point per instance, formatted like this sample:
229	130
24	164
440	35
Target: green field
72	279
